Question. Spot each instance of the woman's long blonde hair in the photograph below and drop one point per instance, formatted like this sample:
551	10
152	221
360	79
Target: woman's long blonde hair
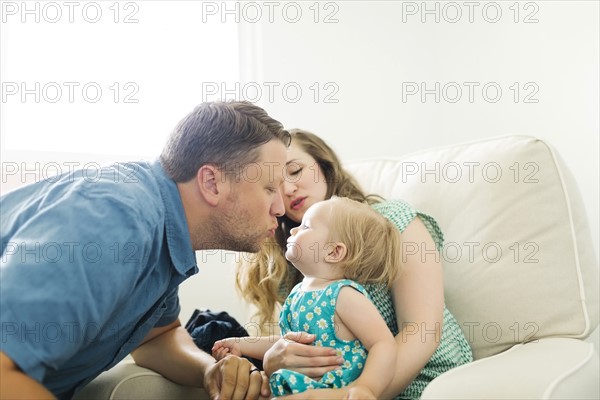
264	279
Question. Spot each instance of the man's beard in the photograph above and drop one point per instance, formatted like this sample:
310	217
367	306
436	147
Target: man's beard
231	230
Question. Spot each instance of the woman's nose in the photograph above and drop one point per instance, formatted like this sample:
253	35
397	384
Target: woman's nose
289	188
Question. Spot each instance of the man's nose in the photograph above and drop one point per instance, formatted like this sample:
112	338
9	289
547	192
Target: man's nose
278	208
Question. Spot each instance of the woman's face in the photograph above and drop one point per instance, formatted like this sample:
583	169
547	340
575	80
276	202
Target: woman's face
304	183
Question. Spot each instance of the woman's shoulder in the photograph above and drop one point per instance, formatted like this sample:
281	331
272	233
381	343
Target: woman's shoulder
401	214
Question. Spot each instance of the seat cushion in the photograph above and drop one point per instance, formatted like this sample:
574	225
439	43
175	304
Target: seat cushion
552	368
518	258
130	381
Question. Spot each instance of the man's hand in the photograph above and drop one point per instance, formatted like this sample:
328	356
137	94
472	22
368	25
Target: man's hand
235	378
171	352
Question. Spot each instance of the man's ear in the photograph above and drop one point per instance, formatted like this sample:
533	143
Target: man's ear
209	180
336	252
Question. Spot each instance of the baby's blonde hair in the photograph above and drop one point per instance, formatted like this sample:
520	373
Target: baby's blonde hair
373	243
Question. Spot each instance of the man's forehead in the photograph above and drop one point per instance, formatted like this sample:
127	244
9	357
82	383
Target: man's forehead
263	171
273	157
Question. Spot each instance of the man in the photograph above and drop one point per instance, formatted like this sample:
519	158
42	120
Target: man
91	263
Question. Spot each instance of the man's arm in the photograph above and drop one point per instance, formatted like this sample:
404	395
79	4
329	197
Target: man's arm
170	351
15	384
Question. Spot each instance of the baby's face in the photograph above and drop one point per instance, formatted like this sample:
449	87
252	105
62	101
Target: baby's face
308	242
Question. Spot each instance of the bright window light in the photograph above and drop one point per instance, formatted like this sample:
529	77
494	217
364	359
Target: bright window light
107	77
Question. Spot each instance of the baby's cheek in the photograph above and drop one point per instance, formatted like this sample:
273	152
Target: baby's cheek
293	252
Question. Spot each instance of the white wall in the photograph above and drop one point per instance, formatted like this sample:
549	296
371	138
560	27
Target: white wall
370	55
362	60
376	49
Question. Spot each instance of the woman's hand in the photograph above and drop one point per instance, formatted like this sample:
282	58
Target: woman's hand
295	352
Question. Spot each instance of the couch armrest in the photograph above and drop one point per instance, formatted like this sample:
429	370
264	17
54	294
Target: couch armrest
550	368
127	380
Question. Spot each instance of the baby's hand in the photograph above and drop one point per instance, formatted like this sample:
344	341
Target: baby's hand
219	351
224	347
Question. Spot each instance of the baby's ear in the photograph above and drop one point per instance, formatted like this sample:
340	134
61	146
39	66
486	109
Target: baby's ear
336	252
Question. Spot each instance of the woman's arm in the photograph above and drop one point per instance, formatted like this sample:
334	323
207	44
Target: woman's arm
418	297
358	314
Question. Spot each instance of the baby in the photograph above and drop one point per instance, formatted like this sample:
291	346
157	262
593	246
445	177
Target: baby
340	245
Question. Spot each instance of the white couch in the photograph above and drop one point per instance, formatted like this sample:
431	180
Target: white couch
521	274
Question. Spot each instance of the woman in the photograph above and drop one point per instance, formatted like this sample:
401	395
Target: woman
429	340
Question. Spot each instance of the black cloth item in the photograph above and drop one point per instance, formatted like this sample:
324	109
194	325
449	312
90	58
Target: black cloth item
206	327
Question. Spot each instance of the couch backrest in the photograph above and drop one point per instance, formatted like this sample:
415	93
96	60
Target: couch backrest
518	259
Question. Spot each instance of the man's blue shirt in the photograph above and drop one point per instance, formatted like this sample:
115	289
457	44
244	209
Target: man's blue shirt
91	262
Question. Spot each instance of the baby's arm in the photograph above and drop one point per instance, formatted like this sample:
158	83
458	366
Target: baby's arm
250	346
362	318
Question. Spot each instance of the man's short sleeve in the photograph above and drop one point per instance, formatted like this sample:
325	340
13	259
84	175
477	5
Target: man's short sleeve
72	256
172	309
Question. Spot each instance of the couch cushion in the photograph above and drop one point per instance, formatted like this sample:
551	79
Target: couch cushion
551	368
127	380
518	258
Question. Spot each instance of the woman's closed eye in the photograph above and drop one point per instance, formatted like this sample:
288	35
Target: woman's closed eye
295	172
